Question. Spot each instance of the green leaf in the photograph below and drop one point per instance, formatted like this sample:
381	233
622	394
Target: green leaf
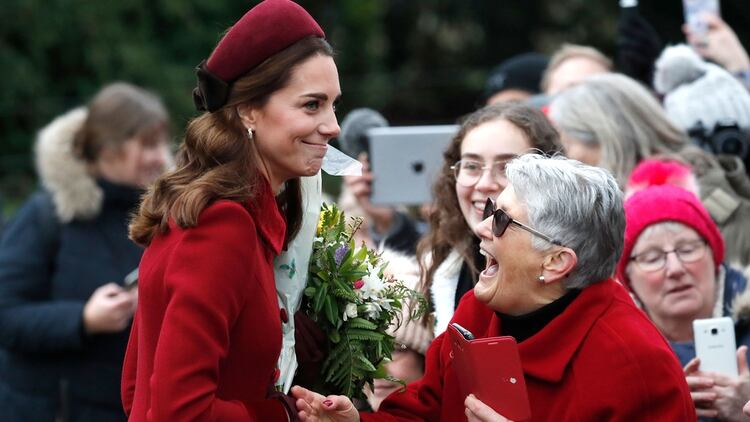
366	363
331	310
380	372
362	323
367	335
319	298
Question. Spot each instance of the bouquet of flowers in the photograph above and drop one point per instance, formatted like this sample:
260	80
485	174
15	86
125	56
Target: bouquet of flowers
353	303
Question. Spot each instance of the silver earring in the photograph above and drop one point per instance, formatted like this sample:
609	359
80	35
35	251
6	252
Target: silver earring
250	133
541	278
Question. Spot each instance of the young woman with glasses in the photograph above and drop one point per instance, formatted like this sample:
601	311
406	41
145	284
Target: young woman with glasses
673	264
473	171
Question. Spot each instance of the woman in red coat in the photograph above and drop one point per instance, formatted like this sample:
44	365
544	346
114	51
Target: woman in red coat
207	333
551	241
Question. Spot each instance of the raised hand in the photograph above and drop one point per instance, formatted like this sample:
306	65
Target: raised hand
733	392
314	407
109	309
701	389
361	187
476	411
719	44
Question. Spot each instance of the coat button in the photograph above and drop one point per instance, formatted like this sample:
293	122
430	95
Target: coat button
284	316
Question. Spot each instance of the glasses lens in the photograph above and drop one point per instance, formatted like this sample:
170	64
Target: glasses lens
691	252
489	209
499	168
467	172
652	260
500	222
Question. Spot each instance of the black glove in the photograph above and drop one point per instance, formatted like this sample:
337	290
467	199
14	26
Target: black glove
638	46
310	347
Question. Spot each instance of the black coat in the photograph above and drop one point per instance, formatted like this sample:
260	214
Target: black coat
48	271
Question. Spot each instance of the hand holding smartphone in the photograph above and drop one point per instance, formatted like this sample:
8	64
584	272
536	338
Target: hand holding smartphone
695	10
130	281
715	345
490	368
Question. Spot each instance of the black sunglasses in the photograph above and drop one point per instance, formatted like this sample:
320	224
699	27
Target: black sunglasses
501	221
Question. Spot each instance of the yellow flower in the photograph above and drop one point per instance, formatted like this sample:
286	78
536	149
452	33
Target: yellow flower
319	230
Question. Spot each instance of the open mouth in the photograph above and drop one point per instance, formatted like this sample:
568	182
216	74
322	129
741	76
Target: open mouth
479	206
491	267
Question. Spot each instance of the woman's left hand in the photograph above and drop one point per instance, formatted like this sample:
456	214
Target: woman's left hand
733	392
476	411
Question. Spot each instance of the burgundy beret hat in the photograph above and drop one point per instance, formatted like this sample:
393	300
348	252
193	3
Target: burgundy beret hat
657	204
263	31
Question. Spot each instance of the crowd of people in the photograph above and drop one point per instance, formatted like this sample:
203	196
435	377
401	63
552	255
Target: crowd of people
590	208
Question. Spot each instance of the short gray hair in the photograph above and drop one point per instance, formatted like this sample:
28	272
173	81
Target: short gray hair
578	205
622	117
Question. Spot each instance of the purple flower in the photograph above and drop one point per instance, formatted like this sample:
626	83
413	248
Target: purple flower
338	256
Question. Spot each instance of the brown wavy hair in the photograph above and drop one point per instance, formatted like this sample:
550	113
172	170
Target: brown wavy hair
216	160
448	227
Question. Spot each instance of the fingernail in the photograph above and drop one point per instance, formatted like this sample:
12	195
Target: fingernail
327	403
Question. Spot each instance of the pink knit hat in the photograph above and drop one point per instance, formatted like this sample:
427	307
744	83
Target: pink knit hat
658	204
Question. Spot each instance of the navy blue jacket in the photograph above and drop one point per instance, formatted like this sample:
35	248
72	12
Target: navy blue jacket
48	271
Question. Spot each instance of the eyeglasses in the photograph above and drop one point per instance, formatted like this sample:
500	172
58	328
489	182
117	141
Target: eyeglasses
468	172
501	221
655	259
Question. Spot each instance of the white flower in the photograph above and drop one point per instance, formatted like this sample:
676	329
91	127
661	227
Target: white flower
372	309
373	284
350	311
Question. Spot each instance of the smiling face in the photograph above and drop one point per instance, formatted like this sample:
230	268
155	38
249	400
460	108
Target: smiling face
509	283
497	140
679	290
292	129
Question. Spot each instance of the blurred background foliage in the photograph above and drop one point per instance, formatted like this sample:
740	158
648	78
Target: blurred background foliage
417	61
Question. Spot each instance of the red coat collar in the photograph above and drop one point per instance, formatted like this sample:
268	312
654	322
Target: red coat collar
268	219
546	354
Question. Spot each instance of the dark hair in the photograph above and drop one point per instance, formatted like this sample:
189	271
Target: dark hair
216	152
448	227
118	112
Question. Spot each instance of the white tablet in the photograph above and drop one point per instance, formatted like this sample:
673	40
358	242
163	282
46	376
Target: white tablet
405	161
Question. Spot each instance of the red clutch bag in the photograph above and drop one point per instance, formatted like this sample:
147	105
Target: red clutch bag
490	368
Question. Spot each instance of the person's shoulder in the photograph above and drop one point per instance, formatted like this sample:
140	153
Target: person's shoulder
223	219
624	320
624	333
223	210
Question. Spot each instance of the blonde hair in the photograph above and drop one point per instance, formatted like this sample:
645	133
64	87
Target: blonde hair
571	51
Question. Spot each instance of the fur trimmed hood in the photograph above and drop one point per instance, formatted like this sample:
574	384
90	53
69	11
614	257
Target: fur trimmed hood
74	191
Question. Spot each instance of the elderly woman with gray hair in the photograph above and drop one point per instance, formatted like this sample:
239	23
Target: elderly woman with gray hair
551	240
612	121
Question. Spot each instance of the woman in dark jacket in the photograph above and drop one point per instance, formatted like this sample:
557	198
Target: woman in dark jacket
64	311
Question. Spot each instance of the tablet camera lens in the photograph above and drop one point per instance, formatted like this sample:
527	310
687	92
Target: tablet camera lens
714	331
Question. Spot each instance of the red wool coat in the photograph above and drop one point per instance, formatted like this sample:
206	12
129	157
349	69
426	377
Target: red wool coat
600	360
207	333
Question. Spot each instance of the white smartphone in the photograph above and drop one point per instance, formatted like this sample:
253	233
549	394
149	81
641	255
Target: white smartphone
694	10
715	345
